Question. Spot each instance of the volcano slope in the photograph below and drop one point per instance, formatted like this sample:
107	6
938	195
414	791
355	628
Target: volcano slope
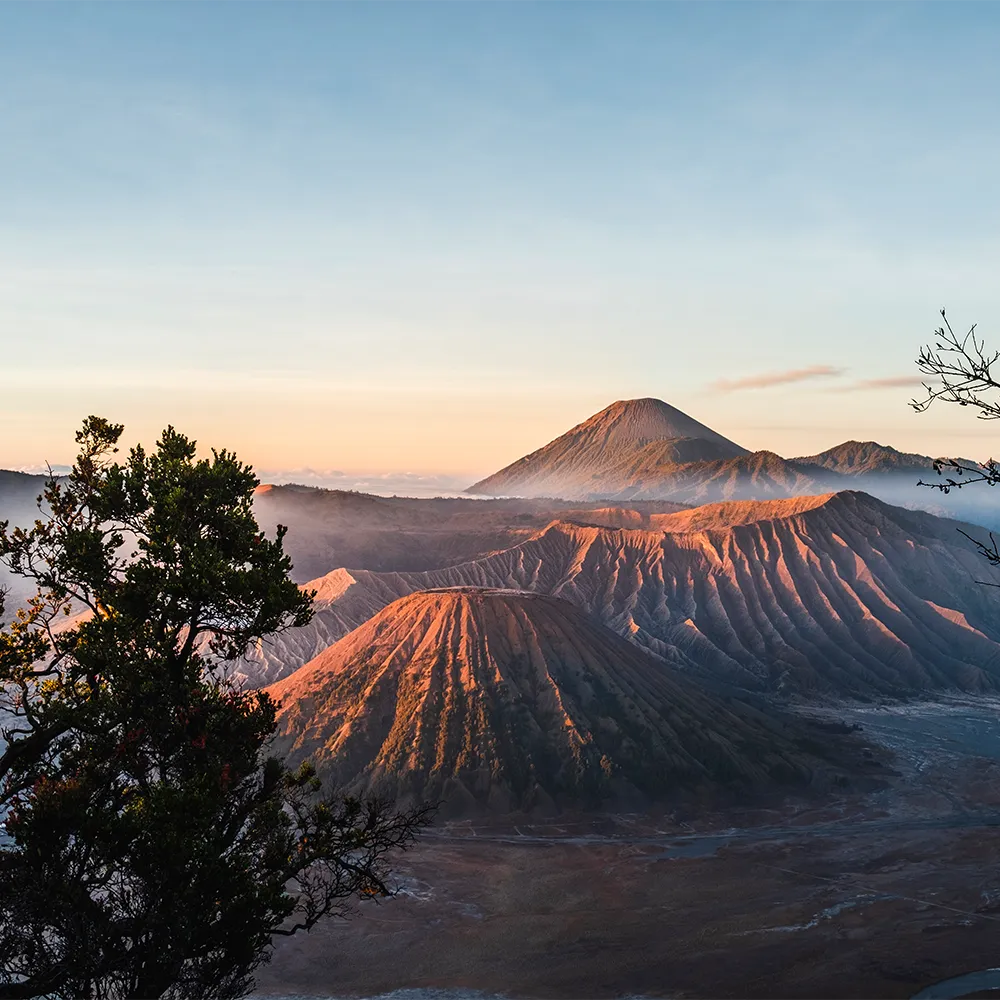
826	596
504	700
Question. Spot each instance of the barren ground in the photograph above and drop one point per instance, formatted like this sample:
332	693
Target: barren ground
873	896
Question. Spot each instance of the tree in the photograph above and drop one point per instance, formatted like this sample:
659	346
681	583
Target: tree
961	370
153	847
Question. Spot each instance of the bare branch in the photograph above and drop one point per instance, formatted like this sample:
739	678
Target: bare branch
964	368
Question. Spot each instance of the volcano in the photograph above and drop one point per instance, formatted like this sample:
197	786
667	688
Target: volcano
506	700
589	459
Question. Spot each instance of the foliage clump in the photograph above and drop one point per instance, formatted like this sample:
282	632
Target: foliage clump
152	847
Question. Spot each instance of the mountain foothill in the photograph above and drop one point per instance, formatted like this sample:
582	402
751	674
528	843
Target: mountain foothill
639	610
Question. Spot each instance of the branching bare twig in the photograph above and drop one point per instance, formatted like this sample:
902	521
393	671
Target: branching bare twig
965	369
963	372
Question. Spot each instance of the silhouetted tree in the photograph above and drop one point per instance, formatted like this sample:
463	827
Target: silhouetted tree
152	846
962	370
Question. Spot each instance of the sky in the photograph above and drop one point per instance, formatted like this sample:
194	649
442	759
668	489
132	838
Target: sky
385	238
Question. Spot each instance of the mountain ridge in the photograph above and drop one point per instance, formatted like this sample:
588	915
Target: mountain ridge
838	596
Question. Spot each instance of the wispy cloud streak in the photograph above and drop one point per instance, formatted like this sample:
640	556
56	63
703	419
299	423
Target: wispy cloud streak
897	382
767	379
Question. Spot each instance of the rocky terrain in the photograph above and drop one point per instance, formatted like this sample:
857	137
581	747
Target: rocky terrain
606	683
505	700
833	595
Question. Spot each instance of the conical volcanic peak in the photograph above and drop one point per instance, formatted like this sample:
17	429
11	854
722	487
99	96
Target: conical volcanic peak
646	450
615	437
637	422
501	699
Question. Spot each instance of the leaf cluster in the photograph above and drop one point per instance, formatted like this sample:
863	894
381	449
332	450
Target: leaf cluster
152	846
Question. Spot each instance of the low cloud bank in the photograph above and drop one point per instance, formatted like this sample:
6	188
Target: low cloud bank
408	484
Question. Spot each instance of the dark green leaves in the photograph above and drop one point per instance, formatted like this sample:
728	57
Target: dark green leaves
155	846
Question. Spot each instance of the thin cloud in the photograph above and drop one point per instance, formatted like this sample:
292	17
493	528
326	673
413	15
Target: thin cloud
898	382
768	379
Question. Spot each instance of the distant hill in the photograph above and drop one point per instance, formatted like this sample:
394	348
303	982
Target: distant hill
502	700
18	493
834	595
895	476
861	458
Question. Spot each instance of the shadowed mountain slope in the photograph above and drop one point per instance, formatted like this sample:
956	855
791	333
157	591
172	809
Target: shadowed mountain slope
631	433
505	700
832	595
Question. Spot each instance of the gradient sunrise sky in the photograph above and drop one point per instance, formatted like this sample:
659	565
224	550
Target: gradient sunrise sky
431	237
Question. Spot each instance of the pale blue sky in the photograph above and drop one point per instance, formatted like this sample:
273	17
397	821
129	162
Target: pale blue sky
430	237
